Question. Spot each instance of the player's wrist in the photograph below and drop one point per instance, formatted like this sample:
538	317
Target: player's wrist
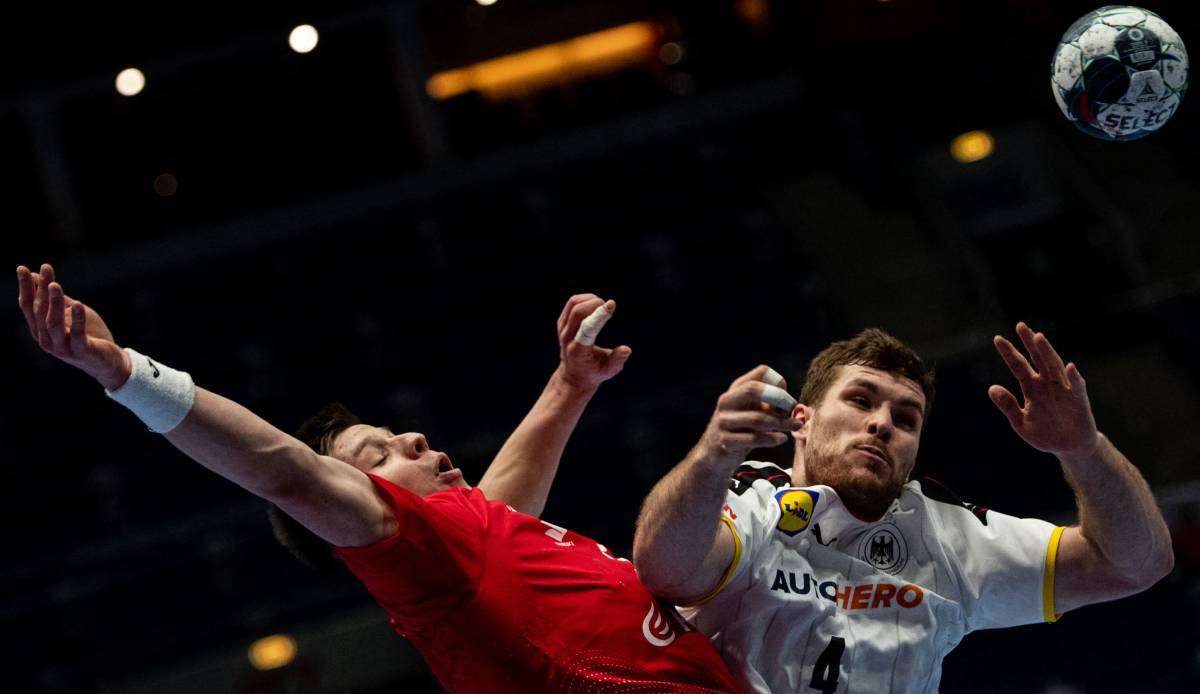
160	396
117	370
573	385
1084	454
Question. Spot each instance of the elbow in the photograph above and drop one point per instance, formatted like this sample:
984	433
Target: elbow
1165	564
1154	569
650	572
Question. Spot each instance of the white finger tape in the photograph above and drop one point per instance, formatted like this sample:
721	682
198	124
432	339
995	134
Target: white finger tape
590	327
778	397
772	377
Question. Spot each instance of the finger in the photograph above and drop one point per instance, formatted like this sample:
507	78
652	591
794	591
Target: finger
25	292
761	373
777	397
1007	404
1015	361
41	305
755	421
1029	340
579	311
78	339
774	378
55	324
748	395
566	312
1075	378
590	327
615	359
1049	357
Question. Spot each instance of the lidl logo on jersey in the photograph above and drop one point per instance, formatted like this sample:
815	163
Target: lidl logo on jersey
795	509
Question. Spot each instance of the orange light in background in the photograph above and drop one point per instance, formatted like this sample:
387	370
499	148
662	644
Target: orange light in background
271	652
555	63
973	146
753	12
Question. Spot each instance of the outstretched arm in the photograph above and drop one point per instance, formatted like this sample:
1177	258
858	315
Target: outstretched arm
523	470
1108	555
331	498
681	549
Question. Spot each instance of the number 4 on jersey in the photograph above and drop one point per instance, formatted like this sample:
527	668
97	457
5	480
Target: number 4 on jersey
828	666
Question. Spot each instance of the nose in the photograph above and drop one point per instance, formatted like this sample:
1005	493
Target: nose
413	444
880	425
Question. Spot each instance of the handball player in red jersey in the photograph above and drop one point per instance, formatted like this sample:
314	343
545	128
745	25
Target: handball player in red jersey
495	599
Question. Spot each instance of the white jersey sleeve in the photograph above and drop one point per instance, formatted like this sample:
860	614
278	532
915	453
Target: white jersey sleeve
1005	565
749	515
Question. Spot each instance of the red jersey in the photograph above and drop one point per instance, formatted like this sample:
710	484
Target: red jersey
498	601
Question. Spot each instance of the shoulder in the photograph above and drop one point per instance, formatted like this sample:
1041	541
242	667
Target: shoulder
936	499
762	477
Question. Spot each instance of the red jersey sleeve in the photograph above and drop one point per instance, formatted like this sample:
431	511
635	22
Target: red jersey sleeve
432	563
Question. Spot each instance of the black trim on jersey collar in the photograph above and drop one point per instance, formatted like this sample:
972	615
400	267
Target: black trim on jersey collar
939	492
746	475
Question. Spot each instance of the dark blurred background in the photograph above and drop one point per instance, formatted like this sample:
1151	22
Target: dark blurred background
383	221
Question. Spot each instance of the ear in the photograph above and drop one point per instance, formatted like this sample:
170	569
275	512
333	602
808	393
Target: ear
802	413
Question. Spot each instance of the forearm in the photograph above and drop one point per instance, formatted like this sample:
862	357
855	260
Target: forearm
675	546
237	444
1135	542
522	472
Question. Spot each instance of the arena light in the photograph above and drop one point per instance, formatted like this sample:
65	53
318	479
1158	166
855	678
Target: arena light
130	82
272	652
973	146
486	3
554	63
303	38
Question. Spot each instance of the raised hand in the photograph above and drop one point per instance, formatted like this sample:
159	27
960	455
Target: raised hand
744	420
1056	416
68	329
584	364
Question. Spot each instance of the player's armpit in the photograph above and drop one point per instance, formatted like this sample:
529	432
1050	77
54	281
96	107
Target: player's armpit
1082	576
340	504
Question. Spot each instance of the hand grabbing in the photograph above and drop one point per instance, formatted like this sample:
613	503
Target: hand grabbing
744	420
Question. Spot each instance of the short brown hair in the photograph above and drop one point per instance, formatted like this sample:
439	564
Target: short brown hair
318	432
873	348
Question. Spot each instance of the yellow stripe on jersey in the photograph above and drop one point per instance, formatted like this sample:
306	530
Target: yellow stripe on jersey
1048	612
737	557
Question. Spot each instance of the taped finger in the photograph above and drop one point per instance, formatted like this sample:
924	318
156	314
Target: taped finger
777	397
590	327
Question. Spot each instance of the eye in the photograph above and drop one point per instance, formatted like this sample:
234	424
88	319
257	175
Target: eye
859	400
381	461
907	422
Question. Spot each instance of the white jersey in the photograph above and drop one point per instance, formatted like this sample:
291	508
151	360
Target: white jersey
817	600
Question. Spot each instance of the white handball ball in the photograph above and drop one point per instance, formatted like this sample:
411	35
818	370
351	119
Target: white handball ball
1119	73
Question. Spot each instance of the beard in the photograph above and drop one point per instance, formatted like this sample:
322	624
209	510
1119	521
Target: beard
865	493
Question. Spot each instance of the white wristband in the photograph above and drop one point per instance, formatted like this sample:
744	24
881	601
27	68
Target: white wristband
159	395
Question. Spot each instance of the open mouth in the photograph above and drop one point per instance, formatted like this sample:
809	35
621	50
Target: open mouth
444	465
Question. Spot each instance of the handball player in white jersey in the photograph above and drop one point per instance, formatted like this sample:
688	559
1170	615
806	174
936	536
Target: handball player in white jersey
842	574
